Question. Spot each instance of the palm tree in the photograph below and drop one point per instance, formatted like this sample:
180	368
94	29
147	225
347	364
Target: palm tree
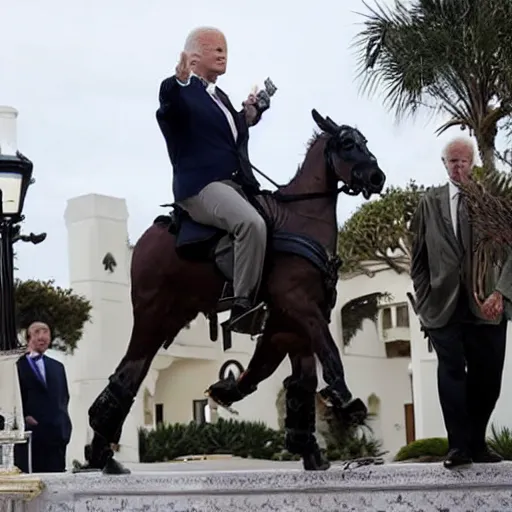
451	56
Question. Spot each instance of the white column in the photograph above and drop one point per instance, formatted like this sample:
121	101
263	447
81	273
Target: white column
97	225
8	132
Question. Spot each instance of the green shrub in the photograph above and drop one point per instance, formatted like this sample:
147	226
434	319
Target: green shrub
347	442
500	441
241	439
432	447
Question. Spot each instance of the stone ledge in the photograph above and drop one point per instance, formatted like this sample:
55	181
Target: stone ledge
20	487
392	487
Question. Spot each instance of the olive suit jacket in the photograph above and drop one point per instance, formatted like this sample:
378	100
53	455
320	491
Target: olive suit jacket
442	263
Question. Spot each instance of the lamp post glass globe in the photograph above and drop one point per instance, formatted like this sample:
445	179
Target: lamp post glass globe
15	177
10	190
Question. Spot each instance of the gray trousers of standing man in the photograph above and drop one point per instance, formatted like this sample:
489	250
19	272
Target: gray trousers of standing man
222	204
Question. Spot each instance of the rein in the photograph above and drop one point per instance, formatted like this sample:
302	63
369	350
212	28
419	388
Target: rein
291	198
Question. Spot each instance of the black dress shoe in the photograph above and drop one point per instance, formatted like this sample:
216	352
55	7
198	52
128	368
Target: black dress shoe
457	458
486	455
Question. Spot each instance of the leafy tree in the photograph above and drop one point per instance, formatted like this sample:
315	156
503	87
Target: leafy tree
451	56
65	312
379	231
357	310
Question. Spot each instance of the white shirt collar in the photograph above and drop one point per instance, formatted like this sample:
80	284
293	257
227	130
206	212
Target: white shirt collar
453	188
210	86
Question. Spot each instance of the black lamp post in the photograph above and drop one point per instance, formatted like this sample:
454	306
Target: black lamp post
15	178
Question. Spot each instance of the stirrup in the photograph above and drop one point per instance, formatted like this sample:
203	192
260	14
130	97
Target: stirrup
250	322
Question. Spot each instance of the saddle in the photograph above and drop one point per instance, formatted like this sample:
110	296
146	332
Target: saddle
200	242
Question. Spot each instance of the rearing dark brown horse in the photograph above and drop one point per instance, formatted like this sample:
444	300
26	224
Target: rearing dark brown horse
169	289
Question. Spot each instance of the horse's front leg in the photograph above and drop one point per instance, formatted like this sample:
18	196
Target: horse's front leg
271	349
108	412
311	323
300	412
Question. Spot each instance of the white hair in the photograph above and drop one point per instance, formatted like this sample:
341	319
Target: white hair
192	44
459	141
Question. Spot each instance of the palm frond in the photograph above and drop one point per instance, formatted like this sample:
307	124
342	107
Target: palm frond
451	55
489	204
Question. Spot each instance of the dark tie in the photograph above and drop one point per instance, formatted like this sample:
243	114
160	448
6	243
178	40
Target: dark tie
463	225
34	361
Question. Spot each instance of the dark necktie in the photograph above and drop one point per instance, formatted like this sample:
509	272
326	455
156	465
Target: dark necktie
33	363
461	219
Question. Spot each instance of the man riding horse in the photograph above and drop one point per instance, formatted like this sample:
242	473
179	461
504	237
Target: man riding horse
207	143
179	267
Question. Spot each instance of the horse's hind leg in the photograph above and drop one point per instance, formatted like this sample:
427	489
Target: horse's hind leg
310	322
110	409
300	412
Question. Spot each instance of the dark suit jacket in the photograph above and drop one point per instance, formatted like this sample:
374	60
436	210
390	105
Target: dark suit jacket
199	139
441	263
47	403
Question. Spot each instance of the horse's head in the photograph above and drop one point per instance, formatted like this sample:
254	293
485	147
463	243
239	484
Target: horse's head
348	158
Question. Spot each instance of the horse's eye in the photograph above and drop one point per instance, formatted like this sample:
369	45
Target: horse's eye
346	144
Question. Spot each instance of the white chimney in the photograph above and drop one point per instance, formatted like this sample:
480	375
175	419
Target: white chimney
8	133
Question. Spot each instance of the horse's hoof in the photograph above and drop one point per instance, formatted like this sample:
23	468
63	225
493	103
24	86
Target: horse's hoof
217	400
355	412
315	461
225	392
112	467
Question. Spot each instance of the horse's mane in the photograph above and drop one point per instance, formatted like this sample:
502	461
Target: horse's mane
309	145
313	139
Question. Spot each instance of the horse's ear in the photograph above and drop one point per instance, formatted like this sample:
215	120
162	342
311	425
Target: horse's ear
325	124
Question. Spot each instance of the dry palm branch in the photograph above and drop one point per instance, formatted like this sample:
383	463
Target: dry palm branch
489	206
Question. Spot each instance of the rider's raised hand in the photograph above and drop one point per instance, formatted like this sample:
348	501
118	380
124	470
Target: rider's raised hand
184	68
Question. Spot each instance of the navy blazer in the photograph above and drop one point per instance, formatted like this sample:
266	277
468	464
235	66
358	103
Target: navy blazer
46	403
199	139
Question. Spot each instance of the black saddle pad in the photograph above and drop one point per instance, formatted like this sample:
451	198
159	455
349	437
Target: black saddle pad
193	238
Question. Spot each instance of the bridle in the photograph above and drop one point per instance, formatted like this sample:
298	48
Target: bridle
335	136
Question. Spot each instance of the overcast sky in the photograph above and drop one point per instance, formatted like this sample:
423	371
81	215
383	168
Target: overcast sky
85	75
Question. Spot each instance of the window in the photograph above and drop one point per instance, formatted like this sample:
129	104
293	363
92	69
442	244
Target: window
199	413
402	316
159	413
398	348
386	318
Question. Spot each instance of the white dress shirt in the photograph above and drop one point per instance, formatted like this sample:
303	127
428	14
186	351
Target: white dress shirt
454	204
211	89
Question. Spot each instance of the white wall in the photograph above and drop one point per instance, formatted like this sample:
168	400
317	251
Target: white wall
367	368
96	225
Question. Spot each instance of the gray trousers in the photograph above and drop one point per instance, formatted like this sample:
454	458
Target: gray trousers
223	205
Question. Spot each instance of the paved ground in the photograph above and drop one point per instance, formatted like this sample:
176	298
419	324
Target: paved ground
220	464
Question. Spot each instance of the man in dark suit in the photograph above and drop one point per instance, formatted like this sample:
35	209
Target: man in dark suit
468	335
45	399
207	142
